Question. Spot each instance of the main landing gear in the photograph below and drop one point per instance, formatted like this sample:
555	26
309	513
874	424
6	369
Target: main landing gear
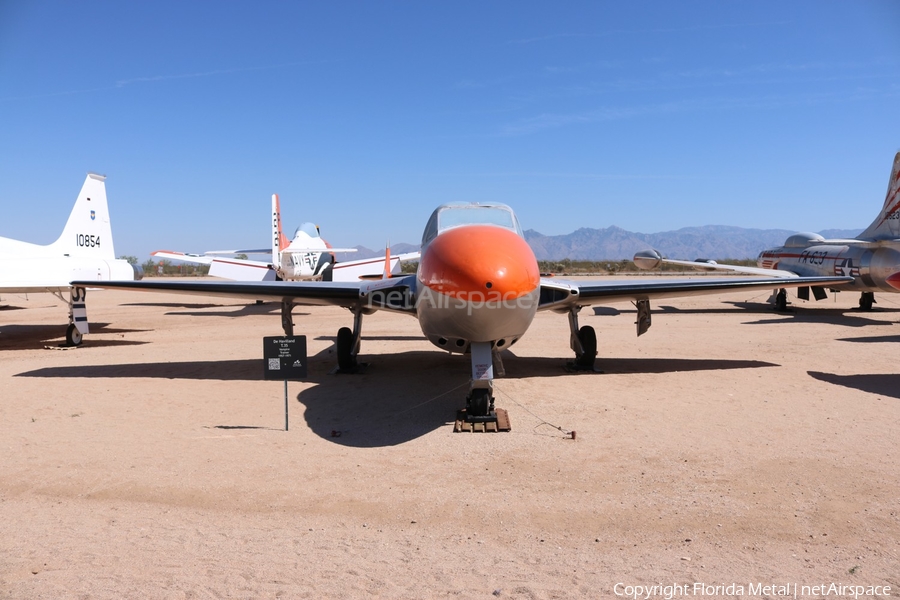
347	339
78	322
583	340
781	300
348	346
866	300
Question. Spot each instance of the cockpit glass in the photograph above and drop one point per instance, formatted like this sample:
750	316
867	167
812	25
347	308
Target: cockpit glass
453	216
309	229
449	216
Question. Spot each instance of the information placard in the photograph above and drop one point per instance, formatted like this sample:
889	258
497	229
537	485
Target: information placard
285	357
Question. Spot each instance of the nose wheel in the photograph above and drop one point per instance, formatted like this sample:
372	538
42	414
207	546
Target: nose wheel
480	403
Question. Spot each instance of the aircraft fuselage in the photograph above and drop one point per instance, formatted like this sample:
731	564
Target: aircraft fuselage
872	269
476	283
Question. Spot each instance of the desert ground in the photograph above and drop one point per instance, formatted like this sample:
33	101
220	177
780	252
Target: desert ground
728	445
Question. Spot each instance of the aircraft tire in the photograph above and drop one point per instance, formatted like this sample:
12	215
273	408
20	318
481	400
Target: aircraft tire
73	336
588	338
480	402
346	360
781	300
866	300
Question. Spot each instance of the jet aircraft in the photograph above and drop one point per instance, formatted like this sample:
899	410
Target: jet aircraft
307	257
872	258
476	291
84	251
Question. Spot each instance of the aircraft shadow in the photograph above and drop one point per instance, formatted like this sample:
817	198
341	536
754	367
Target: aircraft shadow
826	316
517	367
24	337
380	338
874	339
250	309
882	385
193	305
222	370
228	310
381	407
232	427
735	308
396	398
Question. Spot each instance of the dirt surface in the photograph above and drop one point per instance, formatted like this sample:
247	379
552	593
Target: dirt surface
728	445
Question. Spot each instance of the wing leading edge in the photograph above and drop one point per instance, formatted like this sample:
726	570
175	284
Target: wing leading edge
388	294
561	295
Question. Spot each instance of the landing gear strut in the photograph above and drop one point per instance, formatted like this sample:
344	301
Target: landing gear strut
866	300
480	401
583	341
781	300
287	321
78	322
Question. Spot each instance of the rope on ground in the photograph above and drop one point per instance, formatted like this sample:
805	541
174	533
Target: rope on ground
568	434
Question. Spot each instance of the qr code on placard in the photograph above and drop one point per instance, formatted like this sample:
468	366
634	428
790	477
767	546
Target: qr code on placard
274	364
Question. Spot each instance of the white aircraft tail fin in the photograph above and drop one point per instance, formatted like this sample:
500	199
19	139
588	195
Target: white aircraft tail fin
887	224
88	232
279	240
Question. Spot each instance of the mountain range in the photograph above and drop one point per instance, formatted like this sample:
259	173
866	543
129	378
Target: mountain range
716	242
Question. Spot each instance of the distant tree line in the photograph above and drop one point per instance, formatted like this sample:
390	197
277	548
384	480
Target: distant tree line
611	267
154	268
158	268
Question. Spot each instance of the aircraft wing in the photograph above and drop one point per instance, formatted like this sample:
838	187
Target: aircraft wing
245	251
29	287
860	243
268	251
650	259
561	295
385	294
197	259
227	268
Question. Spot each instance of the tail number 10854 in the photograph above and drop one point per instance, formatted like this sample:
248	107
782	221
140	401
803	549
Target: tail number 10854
87	241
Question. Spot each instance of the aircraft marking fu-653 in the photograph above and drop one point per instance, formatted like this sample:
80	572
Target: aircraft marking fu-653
307	257
476	290
84	251
872	258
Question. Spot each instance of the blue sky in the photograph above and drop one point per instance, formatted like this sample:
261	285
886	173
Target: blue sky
364	116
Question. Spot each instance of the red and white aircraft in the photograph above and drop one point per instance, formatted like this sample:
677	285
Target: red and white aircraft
872	258
84	251
477	290
307	257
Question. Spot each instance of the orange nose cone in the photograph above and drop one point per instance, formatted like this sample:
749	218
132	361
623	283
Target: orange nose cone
480	262
894	280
